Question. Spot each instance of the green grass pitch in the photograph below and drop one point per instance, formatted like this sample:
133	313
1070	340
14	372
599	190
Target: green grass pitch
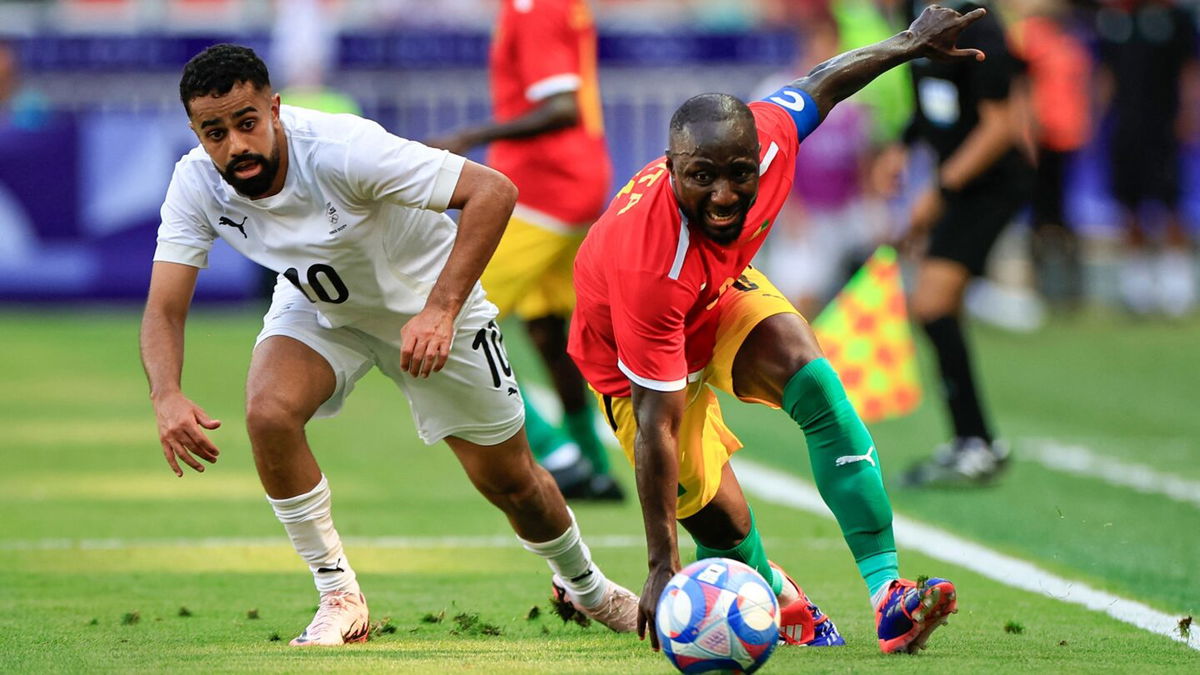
112	563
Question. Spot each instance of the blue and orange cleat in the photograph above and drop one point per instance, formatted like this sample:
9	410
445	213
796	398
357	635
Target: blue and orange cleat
801	622
910	612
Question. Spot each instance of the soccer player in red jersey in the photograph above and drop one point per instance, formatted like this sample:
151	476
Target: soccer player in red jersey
546	103
669	308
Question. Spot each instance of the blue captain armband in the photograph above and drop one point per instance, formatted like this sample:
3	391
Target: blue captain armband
801	107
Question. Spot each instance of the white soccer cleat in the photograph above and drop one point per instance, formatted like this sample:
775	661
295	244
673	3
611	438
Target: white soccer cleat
618	609
341	618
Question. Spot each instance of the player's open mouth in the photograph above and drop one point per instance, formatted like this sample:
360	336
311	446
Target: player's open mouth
722	218
247	169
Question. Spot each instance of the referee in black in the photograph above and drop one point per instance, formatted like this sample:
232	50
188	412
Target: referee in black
968	114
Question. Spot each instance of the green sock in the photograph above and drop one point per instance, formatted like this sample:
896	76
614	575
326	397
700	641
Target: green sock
751	552
544	437
581	426
846	468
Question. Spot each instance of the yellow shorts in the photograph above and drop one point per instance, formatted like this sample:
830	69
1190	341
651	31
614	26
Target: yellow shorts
705	443
530	273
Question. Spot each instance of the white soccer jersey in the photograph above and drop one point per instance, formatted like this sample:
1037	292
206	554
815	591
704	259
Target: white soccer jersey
358	227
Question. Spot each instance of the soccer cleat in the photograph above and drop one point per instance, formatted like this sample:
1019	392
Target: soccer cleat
910	612
341	618
962	462
579	481
801	622
618	609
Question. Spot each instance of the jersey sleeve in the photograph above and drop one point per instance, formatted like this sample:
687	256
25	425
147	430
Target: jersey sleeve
383	167
547	49
184	235
800	109
648	314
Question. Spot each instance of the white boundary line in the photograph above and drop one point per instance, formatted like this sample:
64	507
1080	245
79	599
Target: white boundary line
777	487
1079	460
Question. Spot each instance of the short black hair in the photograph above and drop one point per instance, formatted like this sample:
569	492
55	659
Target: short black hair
708	108
218	69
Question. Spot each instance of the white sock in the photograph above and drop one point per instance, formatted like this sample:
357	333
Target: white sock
571	560
309	524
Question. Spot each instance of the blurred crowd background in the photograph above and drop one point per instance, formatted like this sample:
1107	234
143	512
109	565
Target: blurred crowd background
91	126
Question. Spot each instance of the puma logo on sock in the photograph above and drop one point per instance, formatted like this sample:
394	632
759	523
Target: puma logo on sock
847	459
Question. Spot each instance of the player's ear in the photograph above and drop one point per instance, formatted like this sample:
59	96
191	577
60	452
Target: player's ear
275	101
670	163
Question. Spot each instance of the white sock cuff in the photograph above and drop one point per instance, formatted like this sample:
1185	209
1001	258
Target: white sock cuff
308	506
558	545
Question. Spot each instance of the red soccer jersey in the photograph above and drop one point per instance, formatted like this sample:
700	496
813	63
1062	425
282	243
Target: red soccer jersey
646	282
542	48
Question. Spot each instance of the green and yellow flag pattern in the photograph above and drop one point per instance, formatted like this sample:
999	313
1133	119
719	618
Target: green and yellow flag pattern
865	334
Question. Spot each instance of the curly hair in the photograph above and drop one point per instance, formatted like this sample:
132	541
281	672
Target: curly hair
218	69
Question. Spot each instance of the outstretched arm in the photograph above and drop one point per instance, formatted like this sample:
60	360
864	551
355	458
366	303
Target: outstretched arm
933	35
656	463
552	113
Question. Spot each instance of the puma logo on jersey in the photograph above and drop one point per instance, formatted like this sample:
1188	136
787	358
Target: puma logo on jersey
240	226
847	459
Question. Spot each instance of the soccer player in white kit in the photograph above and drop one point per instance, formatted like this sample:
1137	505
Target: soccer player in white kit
371	272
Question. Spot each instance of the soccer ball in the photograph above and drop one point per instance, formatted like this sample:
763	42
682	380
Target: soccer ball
717	615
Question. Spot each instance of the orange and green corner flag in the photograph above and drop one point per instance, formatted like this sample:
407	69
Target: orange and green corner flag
865	334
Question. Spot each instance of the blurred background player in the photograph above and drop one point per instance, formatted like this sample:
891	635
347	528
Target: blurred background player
967	113
548	138
838	212
1150	80
1059	75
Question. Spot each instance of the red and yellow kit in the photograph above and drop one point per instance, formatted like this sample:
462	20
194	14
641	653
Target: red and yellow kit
542	48
647	284
666	307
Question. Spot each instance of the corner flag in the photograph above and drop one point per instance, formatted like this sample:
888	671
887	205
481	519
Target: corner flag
866	336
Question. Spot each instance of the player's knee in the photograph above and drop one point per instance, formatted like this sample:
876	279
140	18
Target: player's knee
777	348
268	415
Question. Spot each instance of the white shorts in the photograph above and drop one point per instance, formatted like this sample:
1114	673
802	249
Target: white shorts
474	397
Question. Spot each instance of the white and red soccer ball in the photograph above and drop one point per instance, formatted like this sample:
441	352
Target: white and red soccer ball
717	614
